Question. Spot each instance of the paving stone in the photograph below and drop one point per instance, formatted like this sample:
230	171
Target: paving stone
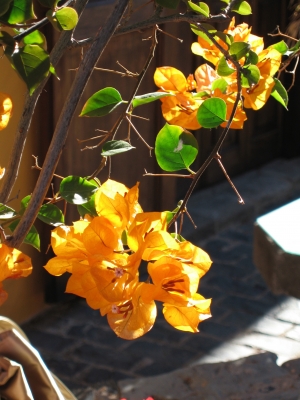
252	307
237	287
217	330
164	358
99	376
238	319
294	333
96	335
102	356
64	367
201	343
289	315
238	235
271	326
225	352
285	348
49	342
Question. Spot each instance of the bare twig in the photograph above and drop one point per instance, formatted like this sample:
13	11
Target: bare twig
170	175
156	19
139	135
218	158
36	166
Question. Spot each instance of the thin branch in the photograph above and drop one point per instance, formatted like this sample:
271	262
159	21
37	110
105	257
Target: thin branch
60	135
139	135
99	169
293	72
170	175
282	34
12	169
218	158
123	74
156	19
36	166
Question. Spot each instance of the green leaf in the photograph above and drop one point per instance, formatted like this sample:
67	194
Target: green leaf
124	237
212	30
242	8
294	48
6	212
250	76
4	6
32	63
32	238
178	237
220	84
227	39
212	113
170	215
49	3
115	147
226	1
223	68
66	18
168	3
175	148
201	9
279	93
201	94
239	49
251	58
24	204
281	46
88	208
77	190
51	214
18	12
36	37
149	98
101	103
53	71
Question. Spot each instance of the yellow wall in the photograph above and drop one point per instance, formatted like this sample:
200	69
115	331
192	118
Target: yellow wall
25	294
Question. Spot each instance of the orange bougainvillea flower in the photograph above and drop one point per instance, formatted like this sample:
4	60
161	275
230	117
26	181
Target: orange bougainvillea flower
187	318
6	108
181	108
143	224
117	203
133	318
257	96
240	33
2	172
13	264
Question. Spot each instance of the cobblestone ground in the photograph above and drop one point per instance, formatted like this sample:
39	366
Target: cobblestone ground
78	346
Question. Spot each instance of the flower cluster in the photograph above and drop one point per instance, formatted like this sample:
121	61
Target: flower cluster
104	255
13	264
258	66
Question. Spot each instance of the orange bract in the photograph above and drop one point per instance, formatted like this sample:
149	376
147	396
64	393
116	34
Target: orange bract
6	108
13	264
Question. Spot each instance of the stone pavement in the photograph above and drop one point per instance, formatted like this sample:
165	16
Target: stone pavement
77	344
